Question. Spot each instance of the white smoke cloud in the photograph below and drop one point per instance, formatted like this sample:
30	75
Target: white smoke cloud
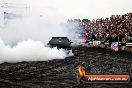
29	51
34	28
25	40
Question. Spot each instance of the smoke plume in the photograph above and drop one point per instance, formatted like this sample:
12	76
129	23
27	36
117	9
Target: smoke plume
29	51
25	39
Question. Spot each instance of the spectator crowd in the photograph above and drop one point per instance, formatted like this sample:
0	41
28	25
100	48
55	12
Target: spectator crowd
117	28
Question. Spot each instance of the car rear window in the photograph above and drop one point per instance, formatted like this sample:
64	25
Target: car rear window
57	40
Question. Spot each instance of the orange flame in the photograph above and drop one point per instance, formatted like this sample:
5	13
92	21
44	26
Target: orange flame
81	71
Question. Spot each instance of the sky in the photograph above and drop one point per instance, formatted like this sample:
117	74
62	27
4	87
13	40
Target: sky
66	9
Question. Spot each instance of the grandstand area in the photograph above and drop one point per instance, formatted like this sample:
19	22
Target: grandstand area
106	32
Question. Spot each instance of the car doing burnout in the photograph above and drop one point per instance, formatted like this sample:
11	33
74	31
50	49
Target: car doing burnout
60	43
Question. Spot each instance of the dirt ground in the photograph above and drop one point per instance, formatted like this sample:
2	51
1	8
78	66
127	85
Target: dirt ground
62	73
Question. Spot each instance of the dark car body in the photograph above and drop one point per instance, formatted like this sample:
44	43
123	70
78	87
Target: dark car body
60	43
